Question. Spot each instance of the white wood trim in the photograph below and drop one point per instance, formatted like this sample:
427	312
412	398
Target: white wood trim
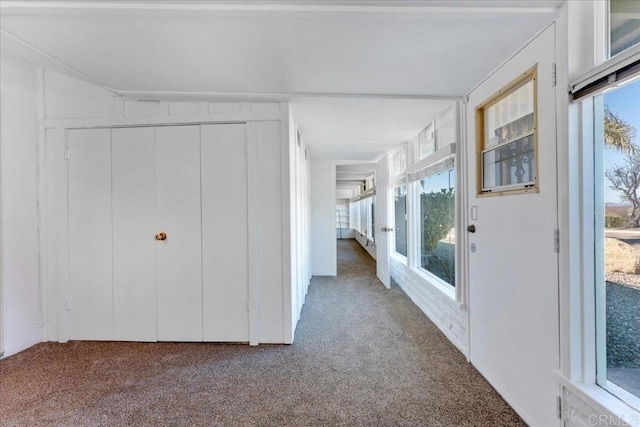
287	330
42	201
47	60
253	215
161	120
64	284
622	59
597	397
386	6
269	96
462	238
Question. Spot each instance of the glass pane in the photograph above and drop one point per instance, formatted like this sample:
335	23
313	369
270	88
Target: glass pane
446	127
426	141
624	24
373	217
510	118
509	164
618	235
363	217
399	161
400	203
437	225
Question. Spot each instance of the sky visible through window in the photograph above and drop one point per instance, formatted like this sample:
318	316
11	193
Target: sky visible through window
626	104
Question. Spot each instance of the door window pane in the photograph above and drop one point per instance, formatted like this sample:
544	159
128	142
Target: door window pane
617	176
437	225
400	204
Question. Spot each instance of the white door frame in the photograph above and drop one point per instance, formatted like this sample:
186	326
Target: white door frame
383	261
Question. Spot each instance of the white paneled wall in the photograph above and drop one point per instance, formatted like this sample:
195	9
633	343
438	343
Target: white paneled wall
323	218
445	312
20	310
274	305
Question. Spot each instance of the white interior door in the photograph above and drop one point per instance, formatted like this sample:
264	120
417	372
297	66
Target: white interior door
178	214
383	270
224	233
134	244
90	239
513	268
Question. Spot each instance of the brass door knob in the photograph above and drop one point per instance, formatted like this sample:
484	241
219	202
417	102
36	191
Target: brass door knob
161	236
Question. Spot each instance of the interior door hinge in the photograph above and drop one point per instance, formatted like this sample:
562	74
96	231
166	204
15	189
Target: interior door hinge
553	75
67	304
559	407
66	154
556	241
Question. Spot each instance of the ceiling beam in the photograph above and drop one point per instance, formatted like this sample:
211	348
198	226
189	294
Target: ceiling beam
275	96
387	6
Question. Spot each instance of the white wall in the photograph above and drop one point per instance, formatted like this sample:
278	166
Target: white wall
323	218
21	312
299	203
74	104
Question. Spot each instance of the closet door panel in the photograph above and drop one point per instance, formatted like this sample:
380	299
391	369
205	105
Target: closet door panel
90	242
178	214
224	232
134	244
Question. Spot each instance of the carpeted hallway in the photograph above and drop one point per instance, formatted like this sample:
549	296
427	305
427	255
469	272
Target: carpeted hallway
363	355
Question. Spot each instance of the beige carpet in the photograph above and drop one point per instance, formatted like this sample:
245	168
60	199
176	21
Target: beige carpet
363	356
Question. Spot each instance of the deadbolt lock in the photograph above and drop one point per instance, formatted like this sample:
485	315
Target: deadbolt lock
161	236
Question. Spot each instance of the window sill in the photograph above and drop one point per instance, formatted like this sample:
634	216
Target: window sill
399	257
432	280
600	399
426	279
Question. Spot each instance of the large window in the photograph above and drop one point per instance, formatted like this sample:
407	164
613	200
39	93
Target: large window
617	240
371	213
437	225
400	215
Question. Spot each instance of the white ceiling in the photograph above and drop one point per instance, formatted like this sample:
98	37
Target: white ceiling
350	176
361	129
287	50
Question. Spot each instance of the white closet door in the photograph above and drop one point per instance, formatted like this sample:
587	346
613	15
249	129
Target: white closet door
134	244
178	214
90	242
224	233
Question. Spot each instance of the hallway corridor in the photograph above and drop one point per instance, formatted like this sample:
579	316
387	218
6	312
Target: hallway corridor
363	355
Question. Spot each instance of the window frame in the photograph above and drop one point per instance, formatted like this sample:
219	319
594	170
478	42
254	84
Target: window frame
501	190
599	282
394	252
447	287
